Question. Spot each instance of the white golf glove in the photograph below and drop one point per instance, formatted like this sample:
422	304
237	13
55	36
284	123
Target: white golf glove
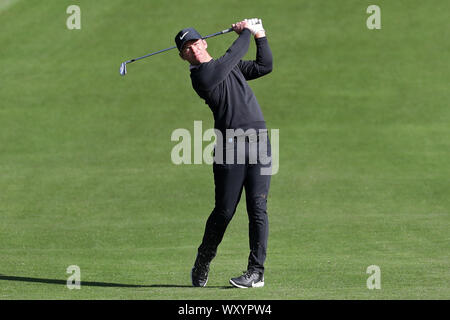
254	25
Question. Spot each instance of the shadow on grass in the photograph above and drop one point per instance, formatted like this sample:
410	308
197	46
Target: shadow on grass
101	284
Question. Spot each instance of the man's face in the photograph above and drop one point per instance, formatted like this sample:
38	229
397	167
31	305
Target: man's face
194	51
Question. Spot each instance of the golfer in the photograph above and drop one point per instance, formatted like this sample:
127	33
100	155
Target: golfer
222	83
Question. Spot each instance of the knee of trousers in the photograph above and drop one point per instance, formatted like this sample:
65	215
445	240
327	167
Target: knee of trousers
257	204
224	214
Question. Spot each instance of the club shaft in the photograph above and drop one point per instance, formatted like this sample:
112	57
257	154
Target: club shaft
167	49
218	33
151	54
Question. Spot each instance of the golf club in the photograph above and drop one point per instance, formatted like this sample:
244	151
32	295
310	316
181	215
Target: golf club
123	66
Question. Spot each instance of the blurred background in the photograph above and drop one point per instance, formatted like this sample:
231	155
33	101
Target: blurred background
86	176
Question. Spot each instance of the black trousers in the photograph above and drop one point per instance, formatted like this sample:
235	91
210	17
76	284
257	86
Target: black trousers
230	179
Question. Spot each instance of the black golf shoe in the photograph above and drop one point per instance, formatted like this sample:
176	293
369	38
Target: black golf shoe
250	279
199	273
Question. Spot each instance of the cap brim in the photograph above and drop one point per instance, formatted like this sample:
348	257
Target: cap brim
187	40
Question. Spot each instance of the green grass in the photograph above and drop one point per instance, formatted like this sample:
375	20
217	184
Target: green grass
85	171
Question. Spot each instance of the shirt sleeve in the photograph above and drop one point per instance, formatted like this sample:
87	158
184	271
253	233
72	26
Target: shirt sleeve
263	63
219	69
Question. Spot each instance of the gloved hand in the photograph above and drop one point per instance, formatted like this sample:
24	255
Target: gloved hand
254	25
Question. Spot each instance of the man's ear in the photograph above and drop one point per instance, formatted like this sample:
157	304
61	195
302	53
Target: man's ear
205	43
181	55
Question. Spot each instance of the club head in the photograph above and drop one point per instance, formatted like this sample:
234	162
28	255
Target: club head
123	69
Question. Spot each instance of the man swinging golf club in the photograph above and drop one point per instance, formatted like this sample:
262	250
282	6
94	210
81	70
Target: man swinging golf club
222	83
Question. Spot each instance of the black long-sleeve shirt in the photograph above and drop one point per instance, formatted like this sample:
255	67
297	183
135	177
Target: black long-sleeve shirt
222	83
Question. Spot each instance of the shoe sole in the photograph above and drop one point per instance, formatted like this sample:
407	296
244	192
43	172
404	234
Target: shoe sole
254	285
192	282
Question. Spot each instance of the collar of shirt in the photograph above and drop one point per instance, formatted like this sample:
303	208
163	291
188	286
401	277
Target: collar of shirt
192	66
